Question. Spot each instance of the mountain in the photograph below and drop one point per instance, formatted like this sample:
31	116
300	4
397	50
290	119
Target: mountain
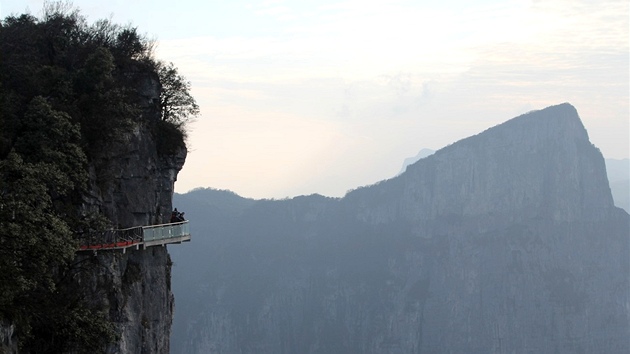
507	241
618	172
411	160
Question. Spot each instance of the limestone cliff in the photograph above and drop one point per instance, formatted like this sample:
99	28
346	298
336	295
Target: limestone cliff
537	165
504	242
132	184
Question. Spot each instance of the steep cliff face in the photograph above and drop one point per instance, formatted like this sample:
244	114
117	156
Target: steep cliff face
504	242
529	253
133	186
131	182
536	165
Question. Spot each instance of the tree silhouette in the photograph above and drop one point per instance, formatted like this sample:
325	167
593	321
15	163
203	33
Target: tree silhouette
177	105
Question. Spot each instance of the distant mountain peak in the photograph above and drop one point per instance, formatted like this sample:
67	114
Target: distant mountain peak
543	132
539	163
555	124
411	160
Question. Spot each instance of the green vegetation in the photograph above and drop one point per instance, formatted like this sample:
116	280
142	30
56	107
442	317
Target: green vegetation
176	104
177	108
67	90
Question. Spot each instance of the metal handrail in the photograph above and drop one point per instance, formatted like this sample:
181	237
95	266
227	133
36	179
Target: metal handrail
165	231
117	238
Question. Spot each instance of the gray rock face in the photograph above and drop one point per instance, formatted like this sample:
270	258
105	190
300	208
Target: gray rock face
130	182
619	177
504	242
135	290
133	186
8	339
537	165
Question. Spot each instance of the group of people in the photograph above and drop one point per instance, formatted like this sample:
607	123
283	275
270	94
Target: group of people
176	216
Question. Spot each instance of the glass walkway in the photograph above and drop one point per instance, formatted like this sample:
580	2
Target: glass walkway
142	236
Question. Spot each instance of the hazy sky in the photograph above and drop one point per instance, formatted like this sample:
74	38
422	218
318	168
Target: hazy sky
301	97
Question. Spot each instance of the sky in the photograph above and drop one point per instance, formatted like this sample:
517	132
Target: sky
303	97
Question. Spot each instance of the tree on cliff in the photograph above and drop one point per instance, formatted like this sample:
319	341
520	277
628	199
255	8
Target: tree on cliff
176	103
67	90
177	109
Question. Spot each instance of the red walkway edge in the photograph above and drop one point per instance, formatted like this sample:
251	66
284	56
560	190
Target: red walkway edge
109	245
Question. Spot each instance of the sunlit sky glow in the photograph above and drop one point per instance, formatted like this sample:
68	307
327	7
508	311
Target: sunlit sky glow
301	97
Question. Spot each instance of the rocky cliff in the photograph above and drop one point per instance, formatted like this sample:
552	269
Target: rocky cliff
132	185
504	242
89	142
